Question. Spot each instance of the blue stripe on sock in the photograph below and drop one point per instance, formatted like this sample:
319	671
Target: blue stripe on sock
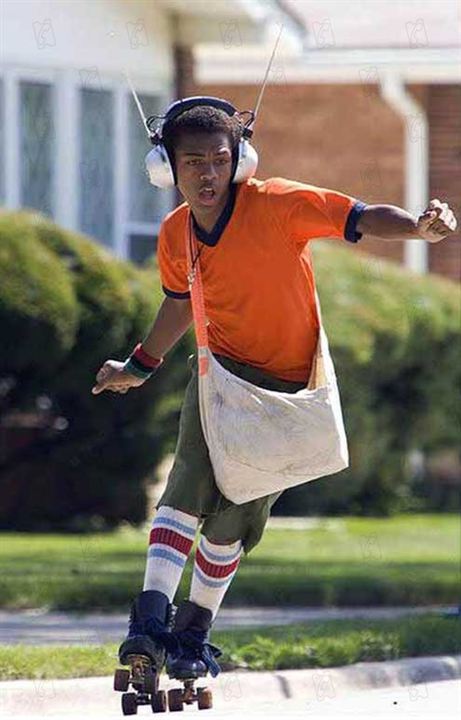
212	583
156	552
190	532
224	559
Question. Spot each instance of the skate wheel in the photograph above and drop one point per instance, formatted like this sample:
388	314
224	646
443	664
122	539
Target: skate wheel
175	701
150	682
158	702
129	704
121	680
204	698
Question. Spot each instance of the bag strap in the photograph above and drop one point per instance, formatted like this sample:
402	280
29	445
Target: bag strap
194	277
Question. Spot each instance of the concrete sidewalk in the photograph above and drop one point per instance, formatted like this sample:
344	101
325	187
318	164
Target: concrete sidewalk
94	697
37	627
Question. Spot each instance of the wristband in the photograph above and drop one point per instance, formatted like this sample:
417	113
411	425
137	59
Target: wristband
145	359
141	364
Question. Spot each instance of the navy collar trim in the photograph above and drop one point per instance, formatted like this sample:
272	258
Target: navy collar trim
212	238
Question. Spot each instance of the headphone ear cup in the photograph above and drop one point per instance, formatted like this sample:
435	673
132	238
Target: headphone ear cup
159	168
247	162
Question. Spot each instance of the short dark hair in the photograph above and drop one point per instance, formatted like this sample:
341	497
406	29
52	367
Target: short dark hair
205	119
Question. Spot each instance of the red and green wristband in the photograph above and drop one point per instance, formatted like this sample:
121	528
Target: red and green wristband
141	364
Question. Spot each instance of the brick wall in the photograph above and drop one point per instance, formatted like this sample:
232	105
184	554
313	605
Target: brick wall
184	71
444	111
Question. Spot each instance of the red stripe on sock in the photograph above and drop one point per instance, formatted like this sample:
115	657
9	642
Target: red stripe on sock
164	536
212	570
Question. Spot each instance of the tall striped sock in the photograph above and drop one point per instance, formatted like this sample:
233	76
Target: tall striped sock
170	542
214	568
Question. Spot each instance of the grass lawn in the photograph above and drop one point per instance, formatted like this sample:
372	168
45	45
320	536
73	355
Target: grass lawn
314	645
405	560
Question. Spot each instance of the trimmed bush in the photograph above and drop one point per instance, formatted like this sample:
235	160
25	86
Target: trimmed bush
38	318
396	342
91	461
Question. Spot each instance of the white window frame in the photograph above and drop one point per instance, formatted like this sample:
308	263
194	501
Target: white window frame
66	85
12	78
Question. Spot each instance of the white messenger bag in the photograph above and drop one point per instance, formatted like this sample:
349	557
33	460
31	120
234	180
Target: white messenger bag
262	441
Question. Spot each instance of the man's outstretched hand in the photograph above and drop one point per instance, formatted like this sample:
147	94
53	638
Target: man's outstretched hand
113	377
437	222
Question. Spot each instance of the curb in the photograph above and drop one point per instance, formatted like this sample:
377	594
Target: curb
38	698
320	684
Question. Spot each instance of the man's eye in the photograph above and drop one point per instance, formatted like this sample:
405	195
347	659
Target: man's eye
222	161
193	162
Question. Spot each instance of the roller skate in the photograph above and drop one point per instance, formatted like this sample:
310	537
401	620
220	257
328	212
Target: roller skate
144	651
191	656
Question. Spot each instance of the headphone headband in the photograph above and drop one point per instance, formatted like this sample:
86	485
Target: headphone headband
181	106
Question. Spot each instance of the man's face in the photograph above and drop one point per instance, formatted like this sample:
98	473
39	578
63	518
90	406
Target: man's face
203	168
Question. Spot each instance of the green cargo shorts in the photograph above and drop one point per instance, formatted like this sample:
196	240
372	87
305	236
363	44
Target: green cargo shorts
191	485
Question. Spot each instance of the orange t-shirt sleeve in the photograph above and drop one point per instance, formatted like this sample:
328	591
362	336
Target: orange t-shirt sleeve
307	212
173	268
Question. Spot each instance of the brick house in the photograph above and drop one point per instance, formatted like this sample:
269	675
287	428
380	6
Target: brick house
365	99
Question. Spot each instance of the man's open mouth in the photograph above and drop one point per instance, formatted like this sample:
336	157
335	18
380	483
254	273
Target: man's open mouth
207	193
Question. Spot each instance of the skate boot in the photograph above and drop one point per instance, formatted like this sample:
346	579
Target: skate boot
191	656
144	651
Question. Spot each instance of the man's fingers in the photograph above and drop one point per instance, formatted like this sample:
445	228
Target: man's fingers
440	219
432	214
103	373
439	227
117	387
427	218
100	386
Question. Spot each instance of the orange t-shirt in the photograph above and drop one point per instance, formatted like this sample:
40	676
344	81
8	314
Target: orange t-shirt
258	279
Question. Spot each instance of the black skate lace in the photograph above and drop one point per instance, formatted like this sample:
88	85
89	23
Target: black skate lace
186	642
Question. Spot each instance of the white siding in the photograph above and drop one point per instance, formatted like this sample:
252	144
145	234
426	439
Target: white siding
105	36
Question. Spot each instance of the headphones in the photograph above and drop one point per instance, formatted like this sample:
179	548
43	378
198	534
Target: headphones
158	164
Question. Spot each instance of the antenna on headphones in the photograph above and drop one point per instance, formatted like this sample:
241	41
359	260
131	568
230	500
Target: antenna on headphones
263	86
253	113
144	119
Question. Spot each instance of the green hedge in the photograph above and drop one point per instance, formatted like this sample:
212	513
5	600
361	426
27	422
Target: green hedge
38	318
66	305
86	307
396	342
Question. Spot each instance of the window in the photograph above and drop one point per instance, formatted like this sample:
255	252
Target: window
141	247
37	146
57	132
96	207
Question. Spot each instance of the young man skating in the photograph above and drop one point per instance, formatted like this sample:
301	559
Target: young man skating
259	296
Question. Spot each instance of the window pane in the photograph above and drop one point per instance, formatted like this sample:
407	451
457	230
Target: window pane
146	203
142	247
37	143
96	164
